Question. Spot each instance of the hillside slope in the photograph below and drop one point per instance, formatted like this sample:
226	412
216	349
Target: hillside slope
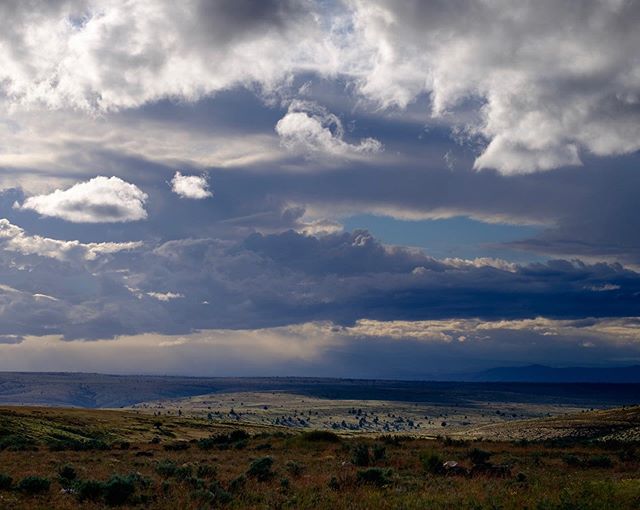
620	424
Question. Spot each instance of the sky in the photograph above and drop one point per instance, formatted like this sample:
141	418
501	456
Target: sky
340	188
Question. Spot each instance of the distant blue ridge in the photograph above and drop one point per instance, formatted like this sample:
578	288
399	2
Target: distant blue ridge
546	374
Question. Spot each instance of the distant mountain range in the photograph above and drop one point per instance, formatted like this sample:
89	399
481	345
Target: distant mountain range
545	374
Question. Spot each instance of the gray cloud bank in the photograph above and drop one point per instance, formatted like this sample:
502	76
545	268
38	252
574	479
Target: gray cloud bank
281	279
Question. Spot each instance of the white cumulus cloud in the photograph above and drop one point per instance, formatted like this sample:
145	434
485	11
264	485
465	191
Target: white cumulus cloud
311	129
96	55
99	200
545	80
190	186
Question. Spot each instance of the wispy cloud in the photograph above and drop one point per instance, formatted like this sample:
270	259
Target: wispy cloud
15	239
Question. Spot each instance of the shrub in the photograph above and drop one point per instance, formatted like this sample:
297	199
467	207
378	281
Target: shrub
196	483
391	440
15	443
68	444
599	461
90	490
207	443
206	471
479	457
166	468
237	484
67	473
202	495
183	472
34	485
237	437
334	484
294	468
360	455
177	446
571	460
320	436
628	455
239	445
374	476
449	441
220	495
119	489
261	468
379	452
5	482
432	463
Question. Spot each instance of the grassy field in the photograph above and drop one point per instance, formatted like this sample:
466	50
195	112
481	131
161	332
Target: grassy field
352	415
73	458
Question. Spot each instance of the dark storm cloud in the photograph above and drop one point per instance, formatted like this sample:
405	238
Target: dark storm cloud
282	279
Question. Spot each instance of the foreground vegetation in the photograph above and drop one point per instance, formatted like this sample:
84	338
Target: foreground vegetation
53	458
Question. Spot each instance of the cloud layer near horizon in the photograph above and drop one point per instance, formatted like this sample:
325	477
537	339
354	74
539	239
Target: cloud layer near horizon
110	289
368	349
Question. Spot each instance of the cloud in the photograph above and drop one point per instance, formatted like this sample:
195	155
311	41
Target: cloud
165	296
274	280
538	85
99	200
605	287
195	187
14	239
98	57
311	129
545	80
319	227
368	349
10	339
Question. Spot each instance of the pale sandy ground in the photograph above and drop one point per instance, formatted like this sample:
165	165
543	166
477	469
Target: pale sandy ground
352	416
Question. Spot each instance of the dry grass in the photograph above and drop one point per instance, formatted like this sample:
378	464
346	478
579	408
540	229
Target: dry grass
308	471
